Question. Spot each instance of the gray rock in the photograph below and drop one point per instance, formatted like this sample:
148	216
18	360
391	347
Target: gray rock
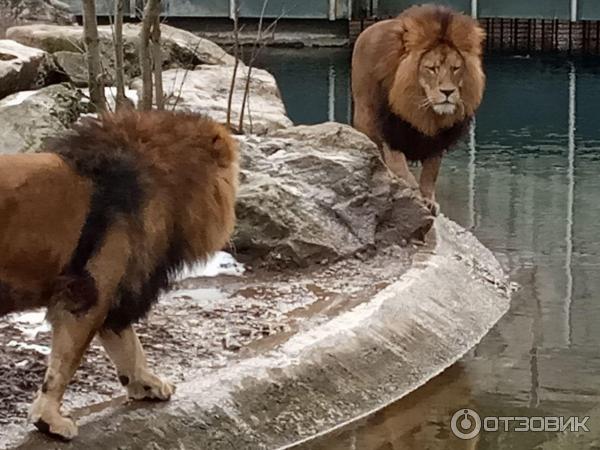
74	66
46	11
180	48
22	67
189	49
315	193
206	90
28	118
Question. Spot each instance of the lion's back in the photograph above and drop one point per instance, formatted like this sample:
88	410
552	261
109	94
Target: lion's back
373	62
43	205
166	180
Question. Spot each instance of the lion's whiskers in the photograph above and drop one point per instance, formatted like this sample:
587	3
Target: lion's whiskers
425	103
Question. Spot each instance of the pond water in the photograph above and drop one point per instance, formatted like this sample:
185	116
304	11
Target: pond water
527	183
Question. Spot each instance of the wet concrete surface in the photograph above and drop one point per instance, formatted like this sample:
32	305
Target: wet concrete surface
268	360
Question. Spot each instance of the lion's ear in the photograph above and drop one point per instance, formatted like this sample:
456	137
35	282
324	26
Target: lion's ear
398	38
479	37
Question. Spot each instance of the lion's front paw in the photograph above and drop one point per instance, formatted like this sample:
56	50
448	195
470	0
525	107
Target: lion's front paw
150	387
46	417
432	206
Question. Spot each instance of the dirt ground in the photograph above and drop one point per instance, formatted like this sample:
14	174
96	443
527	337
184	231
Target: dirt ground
202	324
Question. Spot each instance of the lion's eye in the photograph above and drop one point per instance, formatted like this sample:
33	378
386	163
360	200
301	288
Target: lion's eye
456	68
432	69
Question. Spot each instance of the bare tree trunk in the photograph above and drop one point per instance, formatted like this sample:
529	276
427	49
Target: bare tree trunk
121	100
92	44
259	43
157	61
151	15
236	53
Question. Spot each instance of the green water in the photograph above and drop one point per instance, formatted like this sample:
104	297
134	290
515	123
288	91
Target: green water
526	182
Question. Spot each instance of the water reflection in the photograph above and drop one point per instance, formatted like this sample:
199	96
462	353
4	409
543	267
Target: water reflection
419	422
526	182
314	83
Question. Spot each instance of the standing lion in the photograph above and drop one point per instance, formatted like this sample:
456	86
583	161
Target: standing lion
93	228
417	81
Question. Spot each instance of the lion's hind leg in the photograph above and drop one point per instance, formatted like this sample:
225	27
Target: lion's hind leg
72	332
127	354
76	313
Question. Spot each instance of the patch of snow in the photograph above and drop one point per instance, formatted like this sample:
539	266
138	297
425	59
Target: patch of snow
86	116
221	263
20	51
111	95
31	333
32	318
42	349
16	99
31	323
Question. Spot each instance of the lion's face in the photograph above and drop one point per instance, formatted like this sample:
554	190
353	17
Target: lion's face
440	75
429	66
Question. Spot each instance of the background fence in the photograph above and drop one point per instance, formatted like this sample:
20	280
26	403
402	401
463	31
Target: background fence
528	25
346	9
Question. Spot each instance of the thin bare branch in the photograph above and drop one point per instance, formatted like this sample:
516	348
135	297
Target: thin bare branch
182	83
236	53
249	73
258	45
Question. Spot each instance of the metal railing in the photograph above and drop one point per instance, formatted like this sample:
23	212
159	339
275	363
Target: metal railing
573	10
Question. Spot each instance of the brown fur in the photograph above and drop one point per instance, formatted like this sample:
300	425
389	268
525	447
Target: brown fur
94	228
401	69
43	204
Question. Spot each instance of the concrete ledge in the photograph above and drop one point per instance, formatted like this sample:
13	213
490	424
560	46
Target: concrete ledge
348	367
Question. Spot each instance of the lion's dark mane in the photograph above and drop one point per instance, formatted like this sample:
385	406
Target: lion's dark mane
400	135
117	192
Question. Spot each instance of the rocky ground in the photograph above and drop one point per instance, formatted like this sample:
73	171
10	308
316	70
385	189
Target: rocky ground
18	12
201	325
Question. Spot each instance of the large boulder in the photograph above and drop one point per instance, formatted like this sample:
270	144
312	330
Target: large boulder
315	193
180	48
188	49
28	118
206	90
23	68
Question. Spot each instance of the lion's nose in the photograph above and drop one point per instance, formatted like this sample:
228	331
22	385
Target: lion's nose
447	92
